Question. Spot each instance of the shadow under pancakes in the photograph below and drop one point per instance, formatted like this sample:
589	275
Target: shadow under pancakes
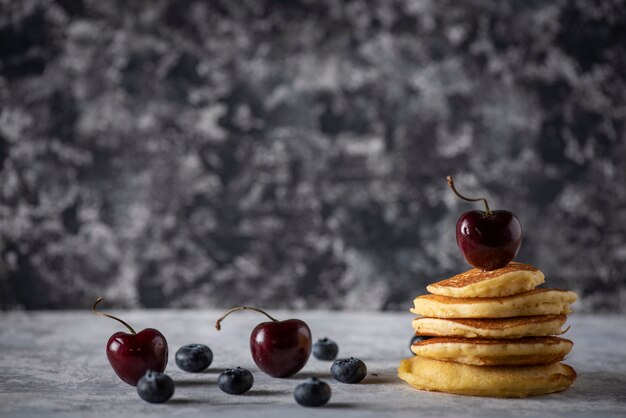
594	386
596	389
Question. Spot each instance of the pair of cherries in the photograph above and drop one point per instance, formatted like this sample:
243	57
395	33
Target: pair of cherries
279	348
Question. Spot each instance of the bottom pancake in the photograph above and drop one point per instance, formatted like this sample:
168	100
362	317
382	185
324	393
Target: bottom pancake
493	381
488	352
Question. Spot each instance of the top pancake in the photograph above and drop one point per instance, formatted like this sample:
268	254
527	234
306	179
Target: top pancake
509	280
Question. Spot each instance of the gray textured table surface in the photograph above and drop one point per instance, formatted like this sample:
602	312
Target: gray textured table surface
53	364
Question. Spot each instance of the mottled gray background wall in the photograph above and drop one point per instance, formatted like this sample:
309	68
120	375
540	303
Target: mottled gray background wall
293	153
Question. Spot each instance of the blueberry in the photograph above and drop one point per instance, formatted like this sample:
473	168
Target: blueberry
235	381
417	338
325	349
312	392
194	358
349	370
155	387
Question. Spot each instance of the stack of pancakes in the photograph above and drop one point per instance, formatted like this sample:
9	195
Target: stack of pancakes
493	335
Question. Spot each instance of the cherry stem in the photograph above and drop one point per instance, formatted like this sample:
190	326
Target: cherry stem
456	192
241	308
97	302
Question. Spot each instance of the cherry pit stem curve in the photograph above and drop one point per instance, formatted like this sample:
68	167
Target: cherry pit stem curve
488	211
93	308
241	308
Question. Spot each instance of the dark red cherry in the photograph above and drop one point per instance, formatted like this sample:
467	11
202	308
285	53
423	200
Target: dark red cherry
279	348
489	239
132	355
489	242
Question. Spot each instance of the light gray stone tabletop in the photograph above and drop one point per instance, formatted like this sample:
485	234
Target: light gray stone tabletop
53	364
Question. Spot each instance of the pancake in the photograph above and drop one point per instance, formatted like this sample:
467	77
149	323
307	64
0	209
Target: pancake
509	280
495	381
534	302
485	352
524	326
